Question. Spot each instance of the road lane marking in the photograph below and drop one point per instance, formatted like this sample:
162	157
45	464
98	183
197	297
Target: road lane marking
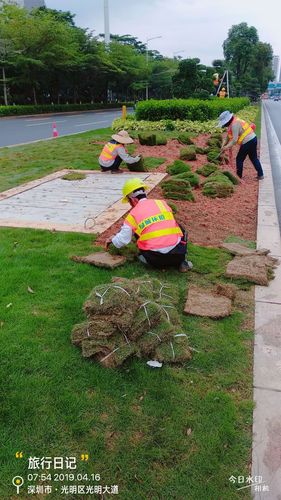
45	123
90	123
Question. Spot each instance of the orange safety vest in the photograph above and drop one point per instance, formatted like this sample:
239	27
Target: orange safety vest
109	152
153	221
246	127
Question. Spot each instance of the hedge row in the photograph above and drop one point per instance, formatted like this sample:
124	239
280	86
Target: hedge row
195	127
56	108
187	109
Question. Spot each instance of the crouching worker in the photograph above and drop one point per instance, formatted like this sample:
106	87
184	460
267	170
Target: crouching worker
161	241
114	153
242	133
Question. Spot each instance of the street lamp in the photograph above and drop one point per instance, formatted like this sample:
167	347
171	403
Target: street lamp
148	40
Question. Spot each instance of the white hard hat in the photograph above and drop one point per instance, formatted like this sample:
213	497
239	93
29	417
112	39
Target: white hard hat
224	118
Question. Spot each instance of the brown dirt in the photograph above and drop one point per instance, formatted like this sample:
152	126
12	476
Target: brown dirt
208	221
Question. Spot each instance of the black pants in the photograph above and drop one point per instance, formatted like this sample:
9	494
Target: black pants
114	166
248	149
174	258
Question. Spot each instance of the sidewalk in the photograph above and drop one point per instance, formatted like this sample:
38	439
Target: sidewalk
266	457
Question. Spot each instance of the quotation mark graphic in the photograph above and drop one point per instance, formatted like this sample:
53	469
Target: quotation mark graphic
85	457
19	454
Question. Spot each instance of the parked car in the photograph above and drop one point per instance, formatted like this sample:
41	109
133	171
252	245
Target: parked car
276	98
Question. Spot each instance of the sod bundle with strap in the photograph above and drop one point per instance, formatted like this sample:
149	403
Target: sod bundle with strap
128	318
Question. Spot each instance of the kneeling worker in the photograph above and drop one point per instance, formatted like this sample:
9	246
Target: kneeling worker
161	241
114	153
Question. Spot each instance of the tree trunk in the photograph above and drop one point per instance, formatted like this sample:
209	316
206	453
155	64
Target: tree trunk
5	86
34	96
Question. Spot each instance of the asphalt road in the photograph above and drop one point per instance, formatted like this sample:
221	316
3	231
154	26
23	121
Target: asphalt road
273	118
27	129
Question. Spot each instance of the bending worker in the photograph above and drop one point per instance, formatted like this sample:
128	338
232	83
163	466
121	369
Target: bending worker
240	132
161	241
114	153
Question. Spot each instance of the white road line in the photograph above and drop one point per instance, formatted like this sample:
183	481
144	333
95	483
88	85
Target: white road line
90	123
45	123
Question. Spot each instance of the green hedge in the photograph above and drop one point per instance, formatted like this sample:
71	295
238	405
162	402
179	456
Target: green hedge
56	108
187	109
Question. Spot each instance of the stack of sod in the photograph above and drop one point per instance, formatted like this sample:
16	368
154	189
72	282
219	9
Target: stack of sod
139	166
207	169
190	177
180	185
188	153
147	138
178	167
185	138
217	185
231	177
152	139
201	151
128	318
177	189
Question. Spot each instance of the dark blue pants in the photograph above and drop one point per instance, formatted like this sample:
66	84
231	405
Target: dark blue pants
248	149
114	166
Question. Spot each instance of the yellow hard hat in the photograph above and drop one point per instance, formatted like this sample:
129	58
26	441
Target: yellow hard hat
130	186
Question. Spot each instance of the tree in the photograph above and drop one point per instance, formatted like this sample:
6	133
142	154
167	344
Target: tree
239	48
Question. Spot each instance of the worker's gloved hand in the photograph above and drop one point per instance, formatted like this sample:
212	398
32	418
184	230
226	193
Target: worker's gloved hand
138	158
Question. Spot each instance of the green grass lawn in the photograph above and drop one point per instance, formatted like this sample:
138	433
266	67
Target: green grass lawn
258	122
178	432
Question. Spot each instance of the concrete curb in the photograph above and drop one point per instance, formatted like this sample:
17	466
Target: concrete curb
266	453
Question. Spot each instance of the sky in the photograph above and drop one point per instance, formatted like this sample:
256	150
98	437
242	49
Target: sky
188	28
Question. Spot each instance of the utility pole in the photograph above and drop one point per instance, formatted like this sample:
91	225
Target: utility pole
148	40
106	23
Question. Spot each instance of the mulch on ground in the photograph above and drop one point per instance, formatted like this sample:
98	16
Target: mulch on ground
208	221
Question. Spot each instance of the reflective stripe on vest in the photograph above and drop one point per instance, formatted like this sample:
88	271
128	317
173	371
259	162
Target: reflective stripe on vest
109	151
246	127
153	221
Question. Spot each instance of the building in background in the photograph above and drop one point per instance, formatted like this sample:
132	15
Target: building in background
275	67
29	4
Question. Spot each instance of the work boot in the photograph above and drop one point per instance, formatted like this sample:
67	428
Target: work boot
260	177
185	266
117	171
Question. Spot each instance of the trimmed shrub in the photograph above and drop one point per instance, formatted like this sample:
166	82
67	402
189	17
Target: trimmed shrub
185	138
188	153
187	109
207	169
178	167
147	139
189	176
231	177
169	125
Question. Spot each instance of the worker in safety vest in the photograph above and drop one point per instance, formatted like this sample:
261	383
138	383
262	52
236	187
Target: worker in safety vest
161	241
114	153
242	133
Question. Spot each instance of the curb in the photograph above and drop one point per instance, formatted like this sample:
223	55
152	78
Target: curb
266	452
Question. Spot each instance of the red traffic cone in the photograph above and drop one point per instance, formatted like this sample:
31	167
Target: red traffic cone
55	131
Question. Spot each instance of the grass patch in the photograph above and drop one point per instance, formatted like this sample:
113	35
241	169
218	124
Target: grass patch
174	430
151	162
75	176
24	163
